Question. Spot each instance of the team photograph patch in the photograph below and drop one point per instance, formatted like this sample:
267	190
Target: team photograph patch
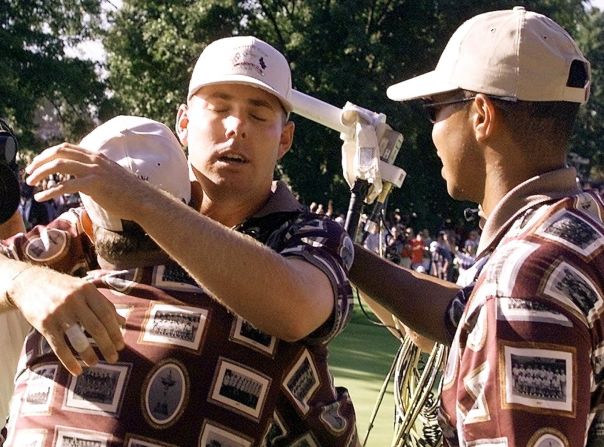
38	395
166	324
72	437
572	231
247	334
574	290
540	379
276	430
215	435
302	381
518	309
99	389
240	389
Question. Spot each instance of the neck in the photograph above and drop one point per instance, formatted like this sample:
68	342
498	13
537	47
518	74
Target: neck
231	211
230	208
507	169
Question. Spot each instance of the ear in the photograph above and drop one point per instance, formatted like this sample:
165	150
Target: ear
182	123
485	117
287	138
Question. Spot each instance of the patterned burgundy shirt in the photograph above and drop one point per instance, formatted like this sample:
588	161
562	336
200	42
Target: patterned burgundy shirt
526	366
192	373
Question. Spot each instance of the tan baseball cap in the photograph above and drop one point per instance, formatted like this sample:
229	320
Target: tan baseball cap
244	60
146	148
515	53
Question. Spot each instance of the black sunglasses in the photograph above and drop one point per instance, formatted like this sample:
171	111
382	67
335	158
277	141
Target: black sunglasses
431	108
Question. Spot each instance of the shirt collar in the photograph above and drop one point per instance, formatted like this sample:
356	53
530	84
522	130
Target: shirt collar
280	200
534	191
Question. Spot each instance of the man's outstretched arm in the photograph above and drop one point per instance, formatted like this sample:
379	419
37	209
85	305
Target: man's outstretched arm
419	301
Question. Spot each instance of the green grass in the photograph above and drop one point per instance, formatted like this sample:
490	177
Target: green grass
360	359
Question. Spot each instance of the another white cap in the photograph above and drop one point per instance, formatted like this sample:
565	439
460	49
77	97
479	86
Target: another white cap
146	148
244	60
514	53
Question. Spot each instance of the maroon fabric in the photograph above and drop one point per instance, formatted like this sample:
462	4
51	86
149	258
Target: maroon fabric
192	372
526	364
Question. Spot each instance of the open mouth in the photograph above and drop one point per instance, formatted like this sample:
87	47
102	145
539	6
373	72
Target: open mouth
233	158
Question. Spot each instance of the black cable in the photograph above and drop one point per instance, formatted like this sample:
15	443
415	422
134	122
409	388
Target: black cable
358	192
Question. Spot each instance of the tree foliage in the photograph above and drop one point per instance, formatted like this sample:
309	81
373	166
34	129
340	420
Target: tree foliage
588	140
345	50
36	72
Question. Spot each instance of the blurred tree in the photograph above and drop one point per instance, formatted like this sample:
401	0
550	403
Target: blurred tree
345	50
588	141
37	77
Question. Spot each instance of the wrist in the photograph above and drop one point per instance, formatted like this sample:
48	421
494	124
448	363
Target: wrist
8	292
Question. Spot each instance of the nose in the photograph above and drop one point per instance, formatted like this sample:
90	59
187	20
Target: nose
234	126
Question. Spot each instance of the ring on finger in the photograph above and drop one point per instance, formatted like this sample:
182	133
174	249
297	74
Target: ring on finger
77	338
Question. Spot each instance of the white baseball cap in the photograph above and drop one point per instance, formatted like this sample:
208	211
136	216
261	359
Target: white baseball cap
243	60
517	54
146	148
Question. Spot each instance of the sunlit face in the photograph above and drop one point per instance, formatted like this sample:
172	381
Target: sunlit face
235	134
456	147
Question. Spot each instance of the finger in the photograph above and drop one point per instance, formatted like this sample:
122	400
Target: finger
98	327
66	167
98	332
63	353
68	186
63	150
106	313
79	342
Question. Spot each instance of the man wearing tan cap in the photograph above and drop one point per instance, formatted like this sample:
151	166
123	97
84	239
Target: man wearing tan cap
275	274
503	99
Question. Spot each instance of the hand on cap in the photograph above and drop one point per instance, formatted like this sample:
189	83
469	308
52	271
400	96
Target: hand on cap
87	172
60	307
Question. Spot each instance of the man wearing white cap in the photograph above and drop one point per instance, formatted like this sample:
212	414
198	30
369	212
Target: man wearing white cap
503	99
280	272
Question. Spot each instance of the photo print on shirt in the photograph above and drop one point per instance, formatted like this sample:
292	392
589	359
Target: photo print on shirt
165	393
167	324
573	231
302	381
40	389
215	435
70	437
569	286
245	333
239	389
539	378
99	389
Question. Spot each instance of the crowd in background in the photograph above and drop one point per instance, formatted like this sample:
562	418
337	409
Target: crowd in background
40	213
445	254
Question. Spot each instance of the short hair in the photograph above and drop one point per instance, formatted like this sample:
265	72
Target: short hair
114	246
542	123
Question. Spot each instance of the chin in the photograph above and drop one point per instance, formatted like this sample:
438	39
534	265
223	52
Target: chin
457	193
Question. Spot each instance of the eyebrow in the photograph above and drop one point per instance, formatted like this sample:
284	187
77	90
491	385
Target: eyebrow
256	102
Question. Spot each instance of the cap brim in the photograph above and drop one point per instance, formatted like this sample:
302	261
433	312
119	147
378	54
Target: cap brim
421	86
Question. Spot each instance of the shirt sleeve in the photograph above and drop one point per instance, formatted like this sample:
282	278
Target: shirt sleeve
61	245
326	245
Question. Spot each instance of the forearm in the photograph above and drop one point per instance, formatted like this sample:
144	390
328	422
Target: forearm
419	301
396	328
286	297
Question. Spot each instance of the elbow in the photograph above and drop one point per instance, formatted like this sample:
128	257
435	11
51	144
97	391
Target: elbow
295	331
